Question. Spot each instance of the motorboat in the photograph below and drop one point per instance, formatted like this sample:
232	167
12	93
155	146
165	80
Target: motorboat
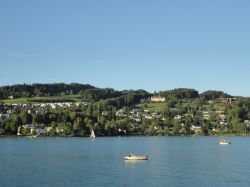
135	157
224	142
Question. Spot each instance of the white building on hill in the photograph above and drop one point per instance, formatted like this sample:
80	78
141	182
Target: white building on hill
158	99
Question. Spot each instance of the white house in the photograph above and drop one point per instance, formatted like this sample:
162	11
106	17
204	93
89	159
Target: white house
178	117
196	129
158	99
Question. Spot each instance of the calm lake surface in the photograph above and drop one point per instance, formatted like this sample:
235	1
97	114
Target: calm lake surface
174	161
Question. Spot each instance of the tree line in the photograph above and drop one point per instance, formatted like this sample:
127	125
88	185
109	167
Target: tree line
39	90
91	93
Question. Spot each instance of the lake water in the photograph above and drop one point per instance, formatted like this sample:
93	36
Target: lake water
174	161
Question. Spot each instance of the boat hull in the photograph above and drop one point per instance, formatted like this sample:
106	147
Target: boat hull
224	143
136	157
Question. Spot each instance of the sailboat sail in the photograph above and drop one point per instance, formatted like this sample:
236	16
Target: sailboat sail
92	136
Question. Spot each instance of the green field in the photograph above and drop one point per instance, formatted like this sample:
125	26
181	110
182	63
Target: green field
70	98
15	101
152	106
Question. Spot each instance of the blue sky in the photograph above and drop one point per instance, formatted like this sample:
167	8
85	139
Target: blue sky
127	44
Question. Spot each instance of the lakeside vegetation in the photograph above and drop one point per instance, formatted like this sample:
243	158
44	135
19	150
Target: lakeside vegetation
76	109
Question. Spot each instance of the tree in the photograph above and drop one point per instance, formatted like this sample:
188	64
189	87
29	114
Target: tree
78	127
24	117
11	124
188	123
176	127
52	131
72	116
237	127
89	110
38	118
67	128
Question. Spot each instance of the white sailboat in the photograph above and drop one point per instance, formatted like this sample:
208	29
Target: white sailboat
92	136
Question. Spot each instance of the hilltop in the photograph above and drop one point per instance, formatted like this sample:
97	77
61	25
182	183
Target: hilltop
75	92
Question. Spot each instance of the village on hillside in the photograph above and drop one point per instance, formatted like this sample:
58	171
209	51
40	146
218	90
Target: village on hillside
186	121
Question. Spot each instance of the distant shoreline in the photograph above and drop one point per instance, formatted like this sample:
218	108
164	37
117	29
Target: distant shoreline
226	135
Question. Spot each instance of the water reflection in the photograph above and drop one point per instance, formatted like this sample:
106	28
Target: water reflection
135	161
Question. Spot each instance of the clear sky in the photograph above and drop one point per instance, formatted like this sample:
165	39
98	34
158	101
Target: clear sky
127	44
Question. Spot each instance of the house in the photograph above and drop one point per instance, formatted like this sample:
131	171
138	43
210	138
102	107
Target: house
223	123
247	123
10	97
227	100
220	112
156	114
147	116
207	114
30	127
158	99
178	117
121	113
48	129
59	130
157	128
135	119
211	101
105	113
27	126
196	129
